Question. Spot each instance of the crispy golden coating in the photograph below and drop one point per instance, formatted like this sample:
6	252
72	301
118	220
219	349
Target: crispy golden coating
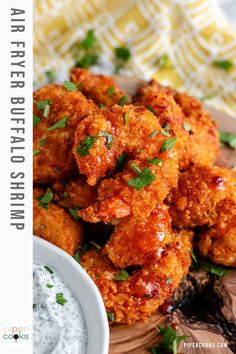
138	241
198	138
219	242
75	193
100	88
200	190
56	226
117	199
54	158
137	297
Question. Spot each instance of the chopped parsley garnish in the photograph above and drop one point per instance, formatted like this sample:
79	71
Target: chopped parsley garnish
110	91
167	144
167	127
209	267
89	40
34	307
49	286
122	101
125	118
95	245
87	51
80	252
43	141
223	64
86	61
122	275
60	124
154	133
36	152
163	61
60	299
165	133
46	111
145	178
70	86
121	159
207	97
109	138
123	53
111	316
169	281
48	269
83	148
74	214
45	199
101	105
42	104
186	127
135	168
36	120
155	161
194	258
51	75
151	109
228	138
169	342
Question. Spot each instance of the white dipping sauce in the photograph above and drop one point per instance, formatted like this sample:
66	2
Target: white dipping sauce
58	329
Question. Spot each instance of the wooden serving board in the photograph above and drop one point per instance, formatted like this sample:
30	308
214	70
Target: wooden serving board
137	338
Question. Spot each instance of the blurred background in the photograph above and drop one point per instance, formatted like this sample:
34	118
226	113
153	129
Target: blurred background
187	44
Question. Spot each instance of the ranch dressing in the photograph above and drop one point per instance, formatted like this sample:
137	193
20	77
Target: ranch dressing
59	325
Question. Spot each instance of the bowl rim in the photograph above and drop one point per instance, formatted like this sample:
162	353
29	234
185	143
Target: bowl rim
101	315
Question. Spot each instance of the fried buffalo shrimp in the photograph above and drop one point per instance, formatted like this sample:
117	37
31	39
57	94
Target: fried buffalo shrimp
198	138
135	298
57	112
101	138
219	242
133	193
100	88
200	190
75	193
138	241
54	224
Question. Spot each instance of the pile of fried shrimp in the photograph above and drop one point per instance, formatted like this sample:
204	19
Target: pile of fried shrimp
141	167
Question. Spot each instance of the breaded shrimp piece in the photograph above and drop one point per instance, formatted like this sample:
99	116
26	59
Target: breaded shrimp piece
75	193
219	242
53	157
137	297
118	197
56	226
138	241
100	88
198	138
200	190
101	138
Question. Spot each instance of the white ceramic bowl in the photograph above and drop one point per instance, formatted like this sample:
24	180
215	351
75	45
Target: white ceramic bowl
83	288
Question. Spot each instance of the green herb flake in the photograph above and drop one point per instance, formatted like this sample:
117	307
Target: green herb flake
165	133
122	101
49	286
80	252
51	75
74	213
60	299
101	105
109	138
111	91
36	120
95	245
89	40
144	179
186	127
70	86
155	161
42	104
151	109
167	144
154	133
83	148
59	125
123	53
111	316
34	307
121	159
209	267
228	138
169	281
135	168
167	127
45	199
125	118
46	111
210	96
194	258
36	152
122	275
163	61
86	61
169	342
223	64
43	141
48	269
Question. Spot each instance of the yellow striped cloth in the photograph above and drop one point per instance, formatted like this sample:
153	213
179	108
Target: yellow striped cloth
191	33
